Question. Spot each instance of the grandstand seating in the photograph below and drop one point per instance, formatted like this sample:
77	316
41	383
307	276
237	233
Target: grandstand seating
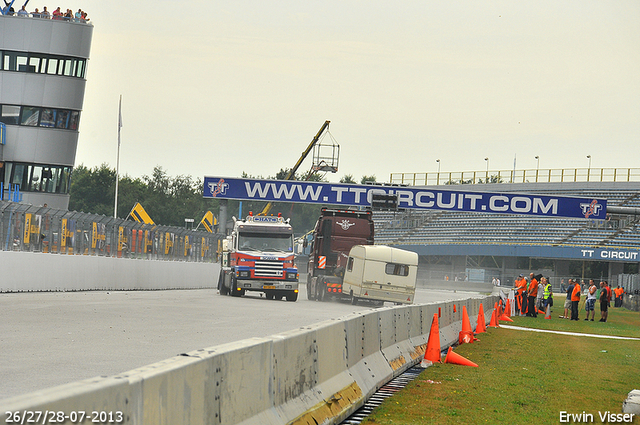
444	227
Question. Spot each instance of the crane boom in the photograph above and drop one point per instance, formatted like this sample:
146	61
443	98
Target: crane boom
292	172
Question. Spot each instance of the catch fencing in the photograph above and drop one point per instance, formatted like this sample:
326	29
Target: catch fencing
630	283
29	228
570	175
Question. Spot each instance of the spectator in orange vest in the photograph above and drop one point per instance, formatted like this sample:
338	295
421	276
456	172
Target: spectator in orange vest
533	293
567	301
609	292
520	286
618	291
575	300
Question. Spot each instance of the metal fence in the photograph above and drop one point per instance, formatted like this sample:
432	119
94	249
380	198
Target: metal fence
630	283
518	176
30	228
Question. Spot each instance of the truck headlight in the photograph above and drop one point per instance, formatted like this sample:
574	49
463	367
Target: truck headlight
243	273
292	276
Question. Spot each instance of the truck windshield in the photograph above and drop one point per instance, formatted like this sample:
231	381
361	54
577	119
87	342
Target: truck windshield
265	242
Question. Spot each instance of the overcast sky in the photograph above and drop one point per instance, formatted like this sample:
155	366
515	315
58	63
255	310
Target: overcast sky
218	88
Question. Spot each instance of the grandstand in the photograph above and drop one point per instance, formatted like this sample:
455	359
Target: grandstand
462	237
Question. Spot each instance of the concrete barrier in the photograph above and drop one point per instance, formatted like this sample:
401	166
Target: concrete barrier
632	403
318	374
85	273
631	302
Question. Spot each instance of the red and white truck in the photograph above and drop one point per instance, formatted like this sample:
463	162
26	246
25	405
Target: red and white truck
258	256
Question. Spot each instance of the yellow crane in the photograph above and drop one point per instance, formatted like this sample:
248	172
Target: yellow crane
292	172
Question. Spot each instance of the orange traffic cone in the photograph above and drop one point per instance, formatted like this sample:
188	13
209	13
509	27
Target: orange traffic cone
466	334
454	358
547	315
481	325
432	354
494	319
466	337
505	316
454	309
507	311
540	311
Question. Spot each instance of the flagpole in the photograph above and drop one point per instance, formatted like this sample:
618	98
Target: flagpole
115	206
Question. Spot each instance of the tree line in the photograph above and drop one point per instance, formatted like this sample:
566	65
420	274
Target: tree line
169	200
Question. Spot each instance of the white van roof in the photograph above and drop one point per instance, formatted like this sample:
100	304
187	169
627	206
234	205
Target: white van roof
384	253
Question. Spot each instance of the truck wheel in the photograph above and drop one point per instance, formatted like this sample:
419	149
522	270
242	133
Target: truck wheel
234	290
310	294
223	289
292	296
322	291
278	297
269	295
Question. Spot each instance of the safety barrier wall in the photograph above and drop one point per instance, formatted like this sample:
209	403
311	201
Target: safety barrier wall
28	271
312	375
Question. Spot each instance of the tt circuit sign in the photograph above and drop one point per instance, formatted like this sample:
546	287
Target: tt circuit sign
408	197
610	254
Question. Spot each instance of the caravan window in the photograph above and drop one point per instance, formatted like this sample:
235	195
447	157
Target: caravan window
397	269
350	264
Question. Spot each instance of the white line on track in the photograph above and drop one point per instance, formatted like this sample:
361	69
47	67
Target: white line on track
518	328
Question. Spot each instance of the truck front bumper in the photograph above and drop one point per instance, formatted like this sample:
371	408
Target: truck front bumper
267	285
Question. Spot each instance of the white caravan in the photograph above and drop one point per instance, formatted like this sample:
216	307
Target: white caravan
381	273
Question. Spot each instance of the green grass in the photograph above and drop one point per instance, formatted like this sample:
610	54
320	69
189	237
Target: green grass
526	377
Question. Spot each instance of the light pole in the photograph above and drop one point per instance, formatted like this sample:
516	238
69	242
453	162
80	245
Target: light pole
589	167
487	176
115	202
438	176
537	166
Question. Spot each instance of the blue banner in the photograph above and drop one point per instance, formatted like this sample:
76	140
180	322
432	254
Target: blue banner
408	197
627	255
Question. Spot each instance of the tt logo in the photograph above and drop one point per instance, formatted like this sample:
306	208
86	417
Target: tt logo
591	209
219	188
345	224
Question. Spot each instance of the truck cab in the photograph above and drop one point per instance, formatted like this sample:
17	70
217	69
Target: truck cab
258	256
335	233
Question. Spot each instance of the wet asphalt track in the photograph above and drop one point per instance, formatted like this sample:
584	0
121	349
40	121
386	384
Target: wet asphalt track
52	338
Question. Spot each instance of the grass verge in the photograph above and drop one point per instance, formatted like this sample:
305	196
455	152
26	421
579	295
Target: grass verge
526	377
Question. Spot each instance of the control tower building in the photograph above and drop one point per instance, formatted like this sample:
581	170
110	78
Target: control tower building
43	64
